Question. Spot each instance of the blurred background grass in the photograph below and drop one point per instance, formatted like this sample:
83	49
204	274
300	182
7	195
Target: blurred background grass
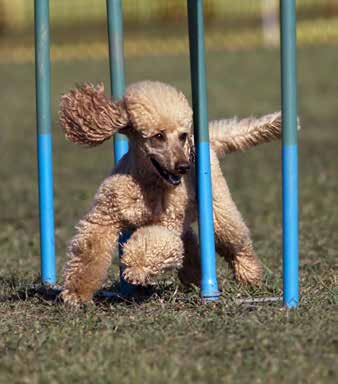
18	15
79	27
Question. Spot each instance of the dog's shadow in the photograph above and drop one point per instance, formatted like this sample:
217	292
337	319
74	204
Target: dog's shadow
50	294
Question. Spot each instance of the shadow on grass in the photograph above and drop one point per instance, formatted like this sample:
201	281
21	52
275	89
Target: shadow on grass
23	291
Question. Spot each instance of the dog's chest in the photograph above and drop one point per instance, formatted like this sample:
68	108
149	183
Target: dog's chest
173	208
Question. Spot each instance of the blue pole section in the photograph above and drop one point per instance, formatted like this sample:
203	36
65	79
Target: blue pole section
44	141
116	66
289	152
209	286
117	83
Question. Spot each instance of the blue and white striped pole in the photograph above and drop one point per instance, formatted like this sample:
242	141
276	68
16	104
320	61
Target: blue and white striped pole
117	85
44	141
289	152
209	286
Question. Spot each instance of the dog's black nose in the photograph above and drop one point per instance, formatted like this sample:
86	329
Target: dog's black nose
182	167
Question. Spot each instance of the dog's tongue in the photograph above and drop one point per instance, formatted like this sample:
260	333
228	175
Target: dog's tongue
175	180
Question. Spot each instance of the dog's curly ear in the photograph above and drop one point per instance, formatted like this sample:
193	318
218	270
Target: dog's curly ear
89	117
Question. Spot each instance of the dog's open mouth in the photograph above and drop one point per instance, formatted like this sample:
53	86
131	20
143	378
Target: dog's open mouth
167	176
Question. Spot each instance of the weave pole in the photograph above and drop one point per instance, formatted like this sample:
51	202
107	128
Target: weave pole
116	66
117	85
209	286
44	141
289	152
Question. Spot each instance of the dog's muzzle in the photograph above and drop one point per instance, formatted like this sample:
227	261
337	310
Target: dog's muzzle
166	175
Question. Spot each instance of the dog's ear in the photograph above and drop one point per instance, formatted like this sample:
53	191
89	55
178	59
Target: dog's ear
89	117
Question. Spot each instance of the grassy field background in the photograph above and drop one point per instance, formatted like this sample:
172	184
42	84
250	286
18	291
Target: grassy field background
19	14
163	339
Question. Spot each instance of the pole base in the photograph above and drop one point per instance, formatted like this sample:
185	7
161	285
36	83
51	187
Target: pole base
210	294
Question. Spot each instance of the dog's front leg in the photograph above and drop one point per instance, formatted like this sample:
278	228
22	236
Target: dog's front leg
151	251
90	253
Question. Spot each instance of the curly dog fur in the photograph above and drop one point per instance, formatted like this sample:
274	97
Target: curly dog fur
152	189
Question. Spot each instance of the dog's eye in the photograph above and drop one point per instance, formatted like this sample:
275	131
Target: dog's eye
183	137
159	136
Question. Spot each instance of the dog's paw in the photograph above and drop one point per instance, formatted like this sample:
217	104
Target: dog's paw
70	299
248	271
136	275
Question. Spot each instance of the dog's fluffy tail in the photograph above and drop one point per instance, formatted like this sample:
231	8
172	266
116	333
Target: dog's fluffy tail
232	135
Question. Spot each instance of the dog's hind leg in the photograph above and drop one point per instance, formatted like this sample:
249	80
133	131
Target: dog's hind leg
232	237
190	273
151	251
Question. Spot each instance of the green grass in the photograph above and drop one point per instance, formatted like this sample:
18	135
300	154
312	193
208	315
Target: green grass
163	339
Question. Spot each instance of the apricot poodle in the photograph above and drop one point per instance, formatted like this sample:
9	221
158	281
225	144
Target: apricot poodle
152	189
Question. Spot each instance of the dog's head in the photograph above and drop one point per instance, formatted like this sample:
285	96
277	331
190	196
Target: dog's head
156	118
